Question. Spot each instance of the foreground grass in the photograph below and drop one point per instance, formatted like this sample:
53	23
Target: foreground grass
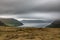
13	33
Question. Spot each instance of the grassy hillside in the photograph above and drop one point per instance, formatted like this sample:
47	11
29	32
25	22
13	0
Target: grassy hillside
55	24
9	22
12	33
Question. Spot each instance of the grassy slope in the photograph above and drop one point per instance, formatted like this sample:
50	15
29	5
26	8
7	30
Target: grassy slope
55	24
12	33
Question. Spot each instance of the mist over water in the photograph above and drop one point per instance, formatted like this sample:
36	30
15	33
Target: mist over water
35	23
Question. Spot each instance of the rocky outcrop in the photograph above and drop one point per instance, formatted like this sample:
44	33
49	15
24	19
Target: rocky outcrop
55	24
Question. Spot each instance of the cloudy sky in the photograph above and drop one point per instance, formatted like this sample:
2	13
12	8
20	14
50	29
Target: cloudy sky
37	9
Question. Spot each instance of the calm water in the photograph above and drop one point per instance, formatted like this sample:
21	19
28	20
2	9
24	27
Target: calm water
38	25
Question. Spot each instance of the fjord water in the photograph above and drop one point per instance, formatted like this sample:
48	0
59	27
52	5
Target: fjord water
35	23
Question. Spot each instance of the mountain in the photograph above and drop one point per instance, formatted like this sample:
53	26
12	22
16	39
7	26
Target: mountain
36	21
55	24
9	22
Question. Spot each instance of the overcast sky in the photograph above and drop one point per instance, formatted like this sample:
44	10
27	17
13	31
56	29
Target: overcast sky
33	8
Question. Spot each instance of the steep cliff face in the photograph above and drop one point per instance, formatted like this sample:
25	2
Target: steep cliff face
55	24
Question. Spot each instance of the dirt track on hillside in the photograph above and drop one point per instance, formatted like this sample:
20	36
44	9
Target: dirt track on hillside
12	33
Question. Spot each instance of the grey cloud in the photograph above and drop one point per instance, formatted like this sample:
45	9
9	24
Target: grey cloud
35	15
22	6
41	15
